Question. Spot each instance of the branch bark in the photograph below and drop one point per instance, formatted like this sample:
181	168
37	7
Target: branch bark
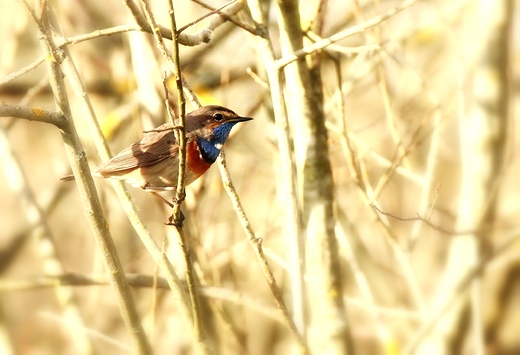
87	189
305	102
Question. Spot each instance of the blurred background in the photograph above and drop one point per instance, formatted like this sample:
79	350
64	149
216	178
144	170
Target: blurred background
420	125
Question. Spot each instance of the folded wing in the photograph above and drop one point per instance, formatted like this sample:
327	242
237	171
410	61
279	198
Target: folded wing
155	147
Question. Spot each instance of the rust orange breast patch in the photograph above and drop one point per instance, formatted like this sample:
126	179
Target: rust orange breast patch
195	163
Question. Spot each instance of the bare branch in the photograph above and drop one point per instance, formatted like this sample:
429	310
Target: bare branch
417	218
282	62
256	244
225	17
33	114
78	161
203	36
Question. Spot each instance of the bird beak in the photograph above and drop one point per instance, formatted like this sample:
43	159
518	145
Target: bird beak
240	119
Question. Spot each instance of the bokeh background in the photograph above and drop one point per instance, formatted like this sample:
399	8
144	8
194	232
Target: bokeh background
410	88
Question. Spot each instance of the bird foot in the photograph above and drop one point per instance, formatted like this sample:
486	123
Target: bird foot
181	198
176	222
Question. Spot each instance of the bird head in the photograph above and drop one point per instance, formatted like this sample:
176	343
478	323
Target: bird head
212	125
208	118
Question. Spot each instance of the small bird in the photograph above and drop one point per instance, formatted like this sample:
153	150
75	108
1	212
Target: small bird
153	162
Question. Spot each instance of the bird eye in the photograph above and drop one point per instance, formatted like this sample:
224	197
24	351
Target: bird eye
218	117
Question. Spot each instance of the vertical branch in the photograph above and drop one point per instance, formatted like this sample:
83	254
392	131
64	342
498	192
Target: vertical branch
180	131
92	205
292	225
305	102
179	193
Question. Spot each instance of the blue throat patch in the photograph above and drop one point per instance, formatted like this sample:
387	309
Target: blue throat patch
210	148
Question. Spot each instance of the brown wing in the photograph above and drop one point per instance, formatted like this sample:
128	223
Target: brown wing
152	149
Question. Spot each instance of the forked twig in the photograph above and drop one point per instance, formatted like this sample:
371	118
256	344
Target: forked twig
422	219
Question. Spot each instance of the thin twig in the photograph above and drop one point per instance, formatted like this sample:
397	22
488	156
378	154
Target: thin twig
282	62
366	193
257	79
212	12
226	17
173	61
400	155
61	42
181	102
424	220
375	36
346	51
22	71
293	231
179	193
203	36
348	250
256	244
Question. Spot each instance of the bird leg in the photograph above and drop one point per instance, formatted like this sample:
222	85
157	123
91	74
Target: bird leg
162	199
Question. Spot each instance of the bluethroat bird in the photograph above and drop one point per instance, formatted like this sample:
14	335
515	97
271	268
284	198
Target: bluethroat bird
153	162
